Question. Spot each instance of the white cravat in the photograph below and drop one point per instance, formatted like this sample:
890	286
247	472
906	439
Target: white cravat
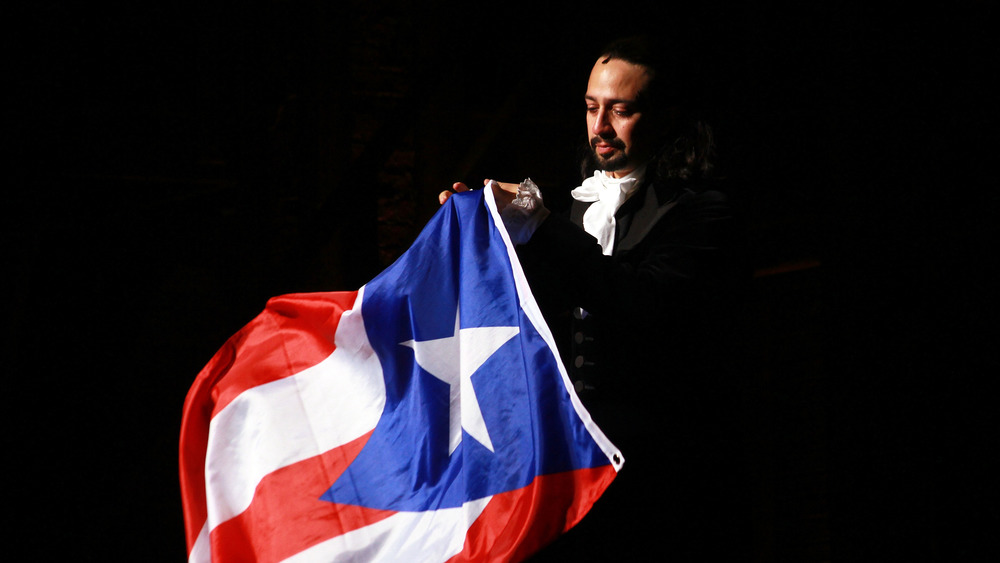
608	194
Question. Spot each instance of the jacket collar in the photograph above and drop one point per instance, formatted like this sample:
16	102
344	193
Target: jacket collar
647	207
637	216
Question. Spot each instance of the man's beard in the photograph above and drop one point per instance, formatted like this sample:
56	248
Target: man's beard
616	162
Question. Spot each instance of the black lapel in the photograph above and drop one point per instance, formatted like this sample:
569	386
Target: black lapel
577	210
633	222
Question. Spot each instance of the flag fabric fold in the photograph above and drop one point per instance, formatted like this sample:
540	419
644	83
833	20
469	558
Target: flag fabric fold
424	417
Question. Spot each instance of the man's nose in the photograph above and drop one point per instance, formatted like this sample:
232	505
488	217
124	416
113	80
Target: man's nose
602	127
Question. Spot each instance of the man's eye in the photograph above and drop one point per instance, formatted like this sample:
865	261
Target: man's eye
623	112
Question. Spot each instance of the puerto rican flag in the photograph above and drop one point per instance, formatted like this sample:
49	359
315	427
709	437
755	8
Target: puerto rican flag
424	417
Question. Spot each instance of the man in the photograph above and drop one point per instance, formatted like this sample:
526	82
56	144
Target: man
643	278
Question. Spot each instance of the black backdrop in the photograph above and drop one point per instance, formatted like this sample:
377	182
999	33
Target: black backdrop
176	165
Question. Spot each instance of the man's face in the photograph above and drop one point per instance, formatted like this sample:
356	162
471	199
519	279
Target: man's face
615	126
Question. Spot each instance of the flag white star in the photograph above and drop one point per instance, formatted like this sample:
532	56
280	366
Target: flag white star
454	359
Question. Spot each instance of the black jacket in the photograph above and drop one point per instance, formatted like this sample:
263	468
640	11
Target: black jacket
660	309
653	361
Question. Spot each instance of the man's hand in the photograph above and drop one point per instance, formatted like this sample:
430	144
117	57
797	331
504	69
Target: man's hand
457	187
503	192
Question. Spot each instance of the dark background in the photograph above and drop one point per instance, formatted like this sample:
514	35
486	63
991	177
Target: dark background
177	164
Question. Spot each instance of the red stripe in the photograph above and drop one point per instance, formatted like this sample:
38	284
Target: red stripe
193	448
518	523
286	515
293	332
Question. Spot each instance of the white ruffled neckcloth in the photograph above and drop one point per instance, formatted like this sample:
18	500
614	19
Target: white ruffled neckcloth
607	194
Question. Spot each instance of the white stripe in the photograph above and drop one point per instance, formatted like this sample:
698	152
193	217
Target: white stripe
436	535
201	551
534	315
279	423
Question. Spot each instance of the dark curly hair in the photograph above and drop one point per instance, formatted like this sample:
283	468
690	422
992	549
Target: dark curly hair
687	147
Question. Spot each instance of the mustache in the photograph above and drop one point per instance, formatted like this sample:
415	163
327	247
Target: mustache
614	142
